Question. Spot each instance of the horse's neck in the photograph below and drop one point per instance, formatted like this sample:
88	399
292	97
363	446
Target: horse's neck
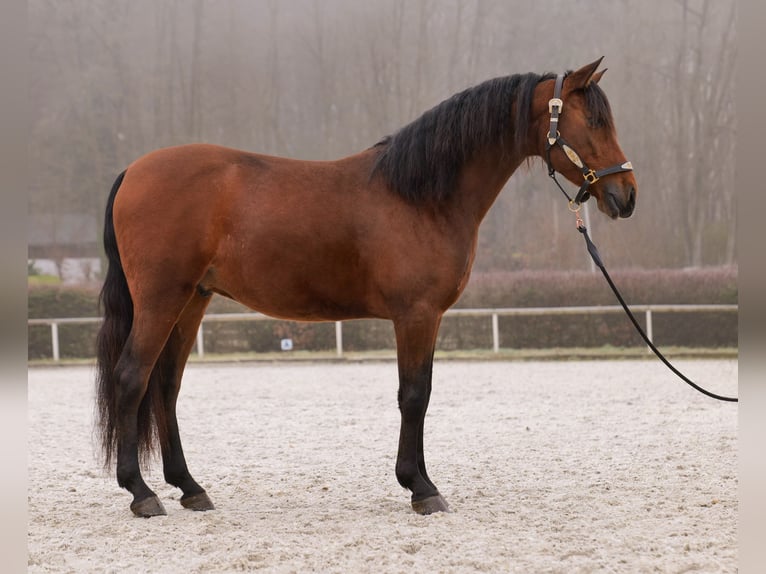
483	178
480	182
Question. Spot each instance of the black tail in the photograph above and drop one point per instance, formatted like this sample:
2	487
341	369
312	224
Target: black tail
117	306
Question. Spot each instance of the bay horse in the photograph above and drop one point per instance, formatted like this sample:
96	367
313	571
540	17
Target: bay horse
389	233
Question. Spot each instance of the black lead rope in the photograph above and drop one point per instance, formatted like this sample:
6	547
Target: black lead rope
593	251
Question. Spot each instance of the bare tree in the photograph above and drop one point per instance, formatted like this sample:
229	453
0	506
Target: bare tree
702	121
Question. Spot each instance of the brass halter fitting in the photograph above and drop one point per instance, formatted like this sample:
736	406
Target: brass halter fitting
575	208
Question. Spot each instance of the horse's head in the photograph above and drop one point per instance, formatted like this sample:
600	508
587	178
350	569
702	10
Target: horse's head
581	142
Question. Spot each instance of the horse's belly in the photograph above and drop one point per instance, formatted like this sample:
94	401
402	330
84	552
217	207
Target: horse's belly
299	308
295	289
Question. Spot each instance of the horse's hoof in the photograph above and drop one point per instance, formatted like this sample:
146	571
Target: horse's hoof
148	507
199	501
430	505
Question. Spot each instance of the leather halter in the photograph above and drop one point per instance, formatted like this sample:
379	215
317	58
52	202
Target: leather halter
590	176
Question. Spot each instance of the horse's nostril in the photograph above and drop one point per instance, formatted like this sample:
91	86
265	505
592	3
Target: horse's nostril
632	196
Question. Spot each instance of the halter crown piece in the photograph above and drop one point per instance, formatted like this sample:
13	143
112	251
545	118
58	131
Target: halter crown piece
555	107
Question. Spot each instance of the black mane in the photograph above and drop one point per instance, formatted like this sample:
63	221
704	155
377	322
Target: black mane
423	159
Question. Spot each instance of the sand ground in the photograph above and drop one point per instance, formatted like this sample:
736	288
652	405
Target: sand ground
548	467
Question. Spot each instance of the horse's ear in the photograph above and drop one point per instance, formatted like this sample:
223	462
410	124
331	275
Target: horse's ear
597	76
581	78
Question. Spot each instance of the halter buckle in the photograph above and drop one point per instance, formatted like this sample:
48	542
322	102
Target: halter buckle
555	102
590	176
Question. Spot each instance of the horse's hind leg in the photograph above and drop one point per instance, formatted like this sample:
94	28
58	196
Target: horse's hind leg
172	362
135	404
415	342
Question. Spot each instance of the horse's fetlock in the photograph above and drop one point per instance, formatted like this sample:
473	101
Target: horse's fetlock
406	473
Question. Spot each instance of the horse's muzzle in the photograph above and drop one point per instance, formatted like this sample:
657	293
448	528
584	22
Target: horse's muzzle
619	201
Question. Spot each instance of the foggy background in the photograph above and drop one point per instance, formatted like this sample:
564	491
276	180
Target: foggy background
310	79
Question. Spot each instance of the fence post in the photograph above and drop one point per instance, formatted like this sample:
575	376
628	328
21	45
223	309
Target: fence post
55	341
649	330
495	334
200	342
339	338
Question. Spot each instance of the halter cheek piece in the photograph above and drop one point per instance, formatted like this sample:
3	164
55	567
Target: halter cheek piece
555	105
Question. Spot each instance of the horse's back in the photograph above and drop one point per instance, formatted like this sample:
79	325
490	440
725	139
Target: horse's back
197	182
216	168
168	168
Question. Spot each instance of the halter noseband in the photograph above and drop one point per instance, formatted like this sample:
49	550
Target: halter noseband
555	106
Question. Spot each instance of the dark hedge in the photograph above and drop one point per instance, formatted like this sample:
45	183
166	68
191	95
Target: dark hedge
494	290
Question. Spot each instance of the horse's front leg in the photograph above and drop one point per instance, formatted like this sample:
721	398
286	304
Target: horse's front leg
415	342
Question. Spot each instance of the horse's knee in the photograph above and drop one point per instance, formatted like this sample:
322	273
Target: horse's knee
413	399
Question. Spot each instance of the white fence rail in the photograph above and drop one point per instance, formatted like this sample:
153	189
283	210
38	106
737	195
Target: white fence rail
493	314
